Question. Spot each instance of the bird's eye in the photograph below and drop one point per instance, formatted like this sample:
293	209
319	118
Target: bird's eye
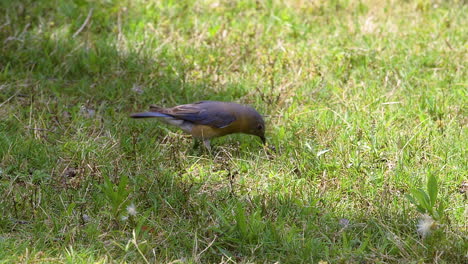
259	127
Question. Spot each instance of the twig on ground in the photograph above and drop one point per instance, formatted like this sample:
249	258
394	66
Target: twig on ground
84	23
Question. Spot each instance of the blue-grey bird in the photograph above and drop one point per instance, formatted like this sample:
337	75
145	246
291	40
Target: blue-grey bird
209	119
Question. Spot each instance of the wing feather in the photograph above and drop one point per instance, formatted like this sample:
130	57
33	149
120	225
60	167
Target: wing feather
203	113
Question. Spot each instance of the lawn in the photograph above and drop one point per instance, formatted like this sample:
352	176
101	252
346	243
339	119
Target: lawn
366	108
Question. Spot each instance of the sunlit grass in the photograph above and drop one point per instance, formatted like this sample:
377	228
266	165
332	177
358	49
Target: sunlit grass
363	100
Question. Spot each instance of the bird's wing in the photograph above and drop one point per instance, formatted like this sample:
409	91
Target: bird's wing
202	113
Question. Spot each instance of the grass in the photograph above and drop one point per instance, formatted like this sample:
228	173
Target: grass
363	100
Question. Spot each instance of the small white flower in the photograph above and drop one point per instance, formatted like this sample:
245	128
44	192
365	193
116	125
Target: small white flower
426	225
86	218
124	218
137	88
131	210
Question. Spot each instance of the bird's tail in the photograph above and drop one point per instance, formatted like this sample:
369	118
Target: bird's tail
148	115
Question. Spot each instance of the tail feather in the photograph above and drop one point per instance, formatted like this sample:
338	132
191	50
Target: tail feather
148	115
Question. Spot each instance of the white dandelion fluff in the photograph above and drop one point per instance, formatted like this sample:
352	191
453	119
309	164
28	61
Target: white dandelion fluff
131	210
426	225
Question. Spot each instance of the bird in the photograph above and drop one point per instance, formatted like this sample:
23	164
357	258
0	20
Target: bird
205	120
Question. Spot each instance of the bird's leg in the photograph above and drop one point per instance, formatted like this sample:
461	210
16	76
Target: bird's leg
206	142
196	143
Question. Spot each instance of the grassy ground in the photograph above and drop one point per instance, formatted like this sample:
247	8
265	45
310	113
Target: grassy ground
364	99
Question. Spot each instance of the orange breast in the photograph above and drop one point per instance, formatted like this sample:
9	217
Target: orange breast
207	132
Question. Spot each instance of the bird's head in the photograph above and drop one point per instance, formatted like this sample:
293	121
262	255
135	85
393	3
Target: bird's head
256	125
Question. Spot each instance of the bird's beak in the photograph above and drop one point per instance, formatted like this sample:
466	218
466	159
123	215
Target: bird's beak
263	139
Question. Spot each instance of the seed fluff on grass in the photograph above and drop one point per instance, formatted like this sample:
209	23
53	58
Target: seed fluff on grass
131	210
426	225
